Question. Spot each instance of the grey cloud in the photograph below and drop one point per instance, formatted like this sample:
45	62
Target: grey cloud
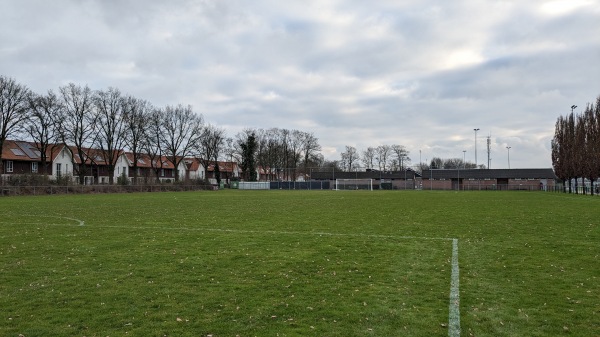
418	73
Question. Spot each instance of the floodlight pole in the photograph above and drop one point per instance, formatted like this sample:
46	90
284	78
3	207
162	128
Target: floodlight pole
464	159
508	148
477	129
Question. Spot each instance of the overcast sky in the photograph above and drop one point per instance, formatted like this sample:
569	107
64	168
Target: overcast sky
418	73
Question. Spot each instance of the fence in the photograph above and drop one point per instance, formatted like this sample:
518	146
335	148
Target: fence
254	185
299	185
8	190
92	189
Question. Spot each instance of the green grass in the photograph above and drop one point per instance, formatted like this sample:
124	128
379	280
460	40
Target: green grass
298	263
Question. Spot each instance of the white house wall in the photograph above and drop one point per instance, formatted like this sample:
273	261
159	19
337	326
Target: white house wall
64	159
122	165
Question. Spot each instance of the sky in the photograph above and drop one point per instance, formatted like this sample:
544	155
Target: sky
419	73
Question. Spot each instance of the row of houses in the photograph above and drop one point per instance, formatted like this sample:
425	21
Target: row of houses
21	157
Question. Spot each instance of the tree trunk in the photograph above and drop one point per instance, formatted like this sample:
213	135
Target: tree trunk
81	174
111	174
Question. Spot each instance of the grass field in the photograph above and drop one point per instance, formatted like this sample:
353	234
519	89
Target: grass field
299	263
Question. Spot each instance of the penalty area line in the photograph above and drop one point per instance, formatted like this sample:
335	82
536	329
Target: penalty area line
454	305
250	231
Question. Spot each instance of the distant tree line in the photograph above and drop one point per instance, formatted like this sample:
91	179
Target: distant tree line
451	164
576	147
393	158
108	120
383	158
286	153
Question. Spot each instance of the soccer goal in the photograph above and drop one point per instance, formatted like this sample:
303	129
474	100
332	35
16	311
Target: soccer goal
354	184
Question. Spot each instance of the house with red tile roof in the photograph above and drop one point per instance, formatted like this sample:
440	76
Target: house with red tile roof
148	169
227	169
21	157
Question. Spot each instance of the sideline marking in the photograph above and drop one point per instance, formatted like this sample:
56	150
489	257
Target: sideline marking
454	309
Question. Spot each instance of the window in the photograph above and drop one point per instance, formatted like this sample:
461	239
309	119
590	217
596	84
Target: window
9	166
58	169
125	170
162	172
34	167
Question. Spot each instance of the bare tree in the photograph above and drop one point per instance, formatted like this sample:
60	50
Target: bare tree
590	160
268	150
310	149
576	147
284	142
368	157
210	146
349	158
383	153
449	164
14	109
295	147
112	128
581	166
230	155
401	155
453	163
316	161
558	151
137	118
41	125
182	130
436	163
569	146
153	143
78	123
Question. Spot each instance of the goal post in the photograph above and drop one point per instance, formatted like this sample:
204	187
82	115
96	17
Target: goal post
354	184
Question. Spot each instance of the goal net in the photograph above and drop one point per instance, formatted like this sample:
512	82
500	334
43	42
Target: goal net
354	184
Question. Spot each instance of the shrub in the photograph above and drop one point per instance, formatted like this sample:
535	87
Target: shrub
123	180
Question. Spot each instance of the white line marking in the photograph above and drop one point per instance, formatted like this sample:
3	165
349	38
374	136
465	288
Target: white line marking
454	309
249	231
81	222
